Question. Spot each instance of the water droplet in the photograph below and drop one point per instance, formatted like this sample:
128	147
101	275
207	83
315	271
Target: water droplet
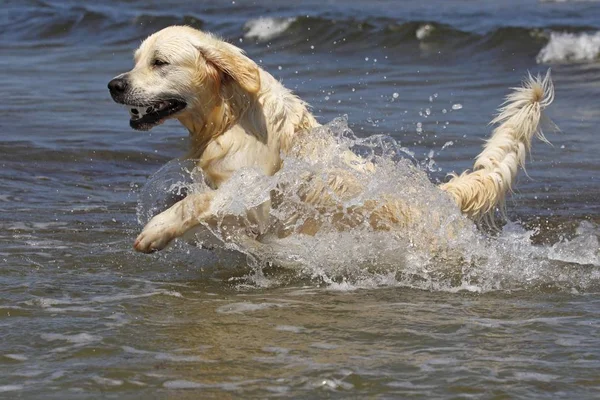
457	106
395	95
419	127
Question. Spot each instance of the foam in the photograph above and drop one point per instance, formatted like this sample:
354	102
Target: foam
570	47
184	384
80	338
10	388
120	297
107	381
424	31
290	328
16	357
241	308
264	29
165	356
535	376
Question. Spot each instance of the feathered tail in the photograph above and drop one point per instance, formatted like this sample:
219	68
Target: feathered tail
479	192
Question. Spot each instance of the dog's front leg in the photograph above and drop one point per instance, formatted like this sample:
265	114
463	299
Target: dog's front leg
174	222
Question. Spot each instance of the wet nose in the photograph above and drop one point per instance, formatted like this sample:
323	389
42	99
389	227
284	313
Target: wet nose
117	85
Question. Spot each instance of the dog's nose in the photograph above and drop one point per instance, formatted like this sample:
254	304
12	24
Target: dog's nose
117	85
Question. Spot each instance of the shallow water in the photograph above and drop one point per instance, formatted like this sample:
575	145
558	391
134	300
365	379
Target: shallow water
83	316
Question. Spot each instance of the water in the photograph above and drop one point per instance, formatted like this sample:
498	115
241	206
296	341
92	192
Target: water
354	315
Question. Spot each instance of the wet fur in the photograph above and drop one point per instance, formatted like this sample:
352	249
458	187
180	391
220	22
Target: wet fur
239	116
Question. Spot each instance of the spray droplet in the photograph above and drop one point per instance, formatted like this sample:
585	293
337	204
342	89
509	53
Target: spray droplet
419	127
457	106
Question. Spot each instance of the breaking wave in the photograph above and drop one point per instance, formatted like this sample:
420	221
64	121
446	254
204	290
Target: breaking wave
439	250
263	29
571	47
36	23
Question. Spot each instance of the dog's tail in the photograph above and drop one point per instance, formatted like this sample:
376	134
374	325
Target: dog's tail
479	192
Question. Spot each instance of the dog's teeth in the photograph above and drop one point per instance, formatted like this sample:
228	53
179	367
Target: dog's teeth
134	113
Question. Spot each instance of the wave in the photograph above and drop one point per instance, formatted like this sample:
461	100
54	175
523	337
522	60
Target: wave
320	32
264	29
571	47
552	43
36	23
41	23
440	250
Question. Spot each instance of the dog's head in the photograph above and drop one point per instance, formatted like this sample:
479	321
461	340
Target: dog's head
179	71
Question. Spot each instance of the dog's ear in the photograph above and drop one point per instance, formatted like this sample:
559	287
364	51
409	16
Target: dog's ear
232	62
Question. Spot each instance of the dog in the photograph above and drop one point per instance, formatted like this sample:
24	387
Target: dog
239	116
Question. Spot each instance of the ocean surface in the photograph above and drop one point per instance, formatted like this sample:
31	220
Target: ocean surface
359	315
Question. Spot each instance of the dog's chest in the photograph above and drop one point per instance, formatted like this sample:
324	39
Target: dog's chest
236	149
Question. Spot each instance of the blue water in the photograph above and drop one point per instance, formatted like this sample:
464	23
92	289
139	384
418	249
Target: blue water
83	316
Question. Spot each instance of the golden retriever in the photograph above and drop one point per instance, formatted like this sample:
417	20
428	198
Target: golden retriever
238	116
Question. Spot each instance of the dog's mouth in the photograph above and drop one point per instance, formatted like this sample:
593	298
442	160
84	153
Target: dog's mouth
144	117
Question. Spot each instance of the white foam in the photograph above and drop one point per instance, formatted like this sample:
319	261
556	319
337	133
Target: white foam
178	358
424	31
334	384
266	28
290	328
165	356
79	338
183	384
120	297
535	376
10	388
570	47
16	357
107	381
240	308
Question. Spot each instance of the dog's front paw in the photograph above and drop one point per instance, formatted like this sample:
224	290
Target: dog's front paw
157	234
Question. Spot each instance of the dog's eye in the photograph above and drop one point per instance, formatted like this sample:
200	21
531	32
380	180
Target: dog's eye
159	63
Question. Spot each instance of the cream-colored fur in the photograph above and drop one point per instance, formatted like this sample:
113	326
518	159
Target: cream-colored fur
239	116
479	192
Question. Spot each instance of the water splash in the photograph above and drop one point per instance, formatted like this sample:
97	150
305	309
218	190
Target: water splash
434	246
